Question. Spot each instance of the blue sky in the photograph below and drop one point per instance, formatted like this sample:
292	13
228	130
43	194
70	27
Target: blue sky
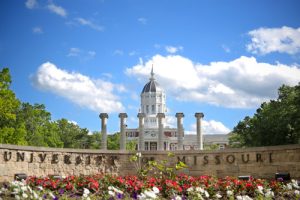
80	58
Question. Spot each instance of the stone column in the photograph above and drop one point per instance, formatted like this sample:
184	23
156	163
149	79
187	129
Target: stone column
160	146
122	117
180	130
141	117
103	117
199	117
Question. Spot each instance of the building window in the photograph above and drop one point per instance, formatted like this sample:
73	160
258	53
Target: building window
153	108
221	146
147	109
153	146
159	108
146	146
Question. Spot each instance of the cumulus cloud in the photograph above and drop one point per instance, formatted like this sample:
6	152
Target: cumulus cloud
268	40
57	10
210	127
37	30
173	49
31	4
96	95
240	83
90	24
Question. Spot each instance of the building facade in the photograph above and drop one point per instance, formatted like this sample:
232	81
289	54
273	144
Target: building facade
153	133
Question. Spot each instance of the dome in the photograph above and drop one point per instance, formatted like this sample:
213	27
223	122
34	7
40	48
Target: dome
152	85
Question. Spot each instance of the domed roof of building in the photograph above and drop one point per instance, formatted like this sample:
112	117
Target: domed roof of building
152	85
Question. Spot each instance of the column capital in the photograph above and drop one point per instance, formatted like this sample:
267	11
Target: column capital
123	115
199	115
103	115
141	115
179	115
160	115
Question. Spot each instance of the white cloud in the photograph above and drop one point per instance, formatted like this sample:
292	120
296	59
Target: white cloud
37	30
74	52
73	122
173	49
88	23
226	48
240	83
142	20
268	40
96	95
118	52
91	53
210	127
31	4
132	53
84	55
171	121
57	10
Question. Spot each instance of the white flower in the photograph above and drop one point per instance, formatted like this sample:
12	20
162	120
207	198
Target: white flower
86	191
229	193
24	188
150	194
51	195
178	198
289	186
17	197
260	189
295	184
139	154
218	196
35	195
199	189
24	195
16	190
206	194
246	197
269	193
116	190
40	188
297	192
111	193
191	189
155	190
142	196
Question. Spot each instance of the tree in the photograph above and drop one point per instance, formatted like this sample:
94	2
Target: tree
113	141
274	123
71	134
11	132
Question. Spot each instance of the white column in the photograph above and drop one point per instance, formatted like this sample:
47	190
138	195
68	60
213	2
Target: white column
160	146
179	130
103	117
122	117
199	117
141	117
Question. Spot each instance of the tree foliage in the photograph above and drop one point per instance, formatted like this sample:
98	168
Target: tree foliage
275	123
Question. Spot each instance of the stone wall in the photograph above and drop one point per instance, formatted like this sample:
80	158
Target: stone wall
260	162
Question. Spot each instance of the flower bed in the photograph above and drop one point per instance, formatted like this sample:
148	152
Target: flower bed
133	187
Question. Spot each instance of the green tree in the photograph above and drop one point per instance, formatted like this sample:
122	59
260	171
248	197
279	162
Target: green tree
41	131
71	134
113	141
274	123
11	132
